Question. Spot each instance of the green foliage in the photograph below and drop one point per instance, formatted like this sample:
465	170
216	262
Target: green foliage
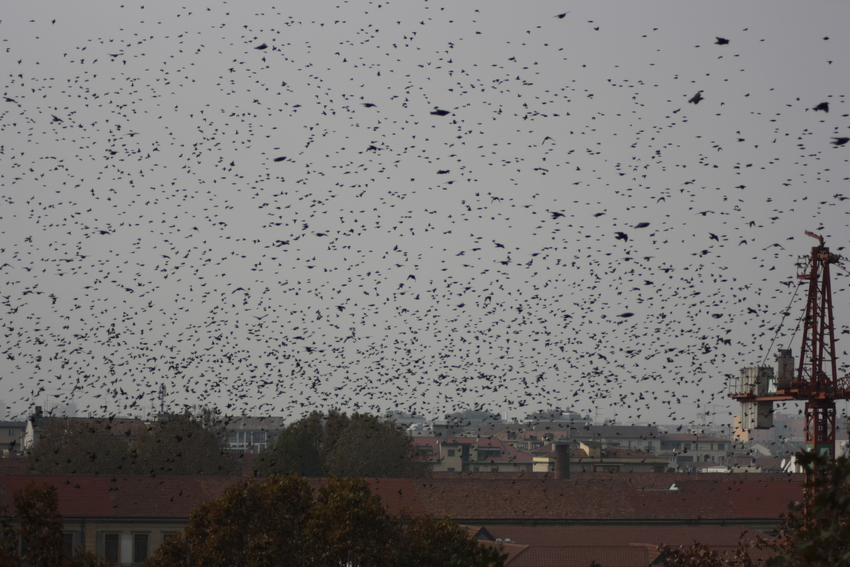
8	546
360	445
40	525
822	537
427	541
698	555
185	444
350	526
252	525
298	449
40	533
79	447
368	447
278	522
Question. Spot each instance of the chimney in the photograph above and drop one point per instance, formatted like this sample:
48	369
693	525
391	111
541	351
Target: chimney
562	460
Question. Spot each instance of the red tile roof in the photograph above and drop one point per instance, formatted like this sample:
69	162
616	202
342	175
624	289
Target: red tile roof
628	556
572	536
612	546
607	498
511	550
124	496
12	465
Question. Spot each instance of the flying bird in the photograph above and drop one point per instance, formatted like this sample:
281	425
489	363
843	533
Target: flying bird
696	98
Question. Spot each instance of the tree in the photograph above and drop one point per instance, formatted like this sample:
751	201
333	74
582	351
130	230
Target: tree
360	445
71	446
185	444
188	443
252	525
298	449
698	555
427	541
369	447
40	533
278	522
817	532
350	526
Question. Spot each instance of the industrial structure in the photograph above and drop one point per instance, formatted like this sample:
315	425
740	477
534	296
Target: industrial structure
815	380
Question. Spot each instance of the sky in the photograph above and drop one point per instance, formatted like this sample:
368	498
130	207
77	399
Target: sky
421	206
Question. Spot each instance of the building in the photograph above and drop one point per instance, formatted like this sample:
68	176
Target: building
646	438
556	417
469	454
593	457
125	518
409	421
687	449
252	434
12	437
611	546
129	428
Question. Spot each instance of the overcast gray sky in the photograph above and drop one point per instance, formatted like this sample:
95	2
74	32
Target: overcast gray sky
290	228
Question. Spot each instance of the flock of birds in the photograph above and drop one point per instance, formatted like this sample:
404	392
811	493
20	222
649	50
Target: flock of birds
415	207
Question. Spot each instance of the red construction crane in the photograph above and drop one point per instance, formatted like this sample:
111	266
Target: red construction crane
816	378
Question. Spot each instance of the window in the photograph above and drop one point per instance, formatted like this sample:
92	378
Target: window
110	547
11	433
68	543
720	447
140	548
484	454
451	453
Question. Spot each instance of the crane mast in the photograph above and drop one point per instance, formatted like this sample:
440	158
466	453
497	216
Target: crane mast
815	380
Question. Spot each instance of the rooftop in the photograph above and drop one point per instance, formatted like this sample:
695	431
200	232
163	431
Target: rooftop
618	498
